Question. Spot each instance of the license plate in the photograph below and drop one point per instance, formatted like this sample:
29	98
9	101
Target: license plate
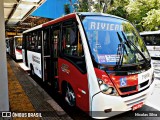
137	106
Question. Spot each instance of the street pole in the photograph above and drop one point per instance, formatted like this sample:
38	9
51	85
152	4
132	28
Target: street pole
4	102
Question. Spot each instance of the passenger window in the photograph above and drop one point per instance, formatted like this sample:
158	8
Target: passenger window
55	40
72	47
46	42
71	41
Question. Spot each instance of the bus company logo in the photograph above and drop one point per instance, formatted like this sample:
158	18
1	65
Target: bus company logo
123	82
65	68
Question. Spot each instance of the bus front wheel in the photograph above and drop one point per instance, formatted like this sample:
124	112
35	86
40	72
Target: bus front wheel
69	96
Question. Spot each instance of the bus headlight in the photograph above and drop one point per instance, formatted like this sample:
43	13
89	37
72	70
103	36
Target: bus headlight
107	89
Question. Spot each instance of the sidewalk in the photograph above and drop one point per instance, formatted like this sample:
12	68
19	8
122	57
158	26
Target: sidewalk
25	95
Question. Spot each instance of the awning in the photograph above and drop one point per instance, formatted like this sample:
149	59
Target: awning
16	11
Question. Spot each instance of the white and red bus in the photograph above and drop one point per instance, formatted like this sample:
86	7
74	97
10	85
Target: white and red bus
152	40
92	62
15	47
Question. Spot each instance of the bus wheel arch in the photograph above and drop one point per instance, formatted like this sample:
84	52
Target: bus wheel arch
68	94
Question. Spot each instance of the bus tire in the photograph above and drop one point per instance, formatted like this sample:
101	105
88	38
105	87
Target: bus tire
69	95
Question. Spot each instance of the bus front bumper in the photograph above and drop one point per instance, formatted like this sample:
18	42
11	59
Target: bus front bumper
105	106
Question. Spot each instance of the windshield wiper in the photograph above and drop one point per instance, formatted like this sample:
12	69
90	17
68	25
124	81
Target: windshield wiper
120	52
130	42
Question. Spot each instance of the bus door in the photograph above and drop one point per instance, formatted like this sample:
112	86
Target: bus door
12	51
46	56
50	55
24	51
55	35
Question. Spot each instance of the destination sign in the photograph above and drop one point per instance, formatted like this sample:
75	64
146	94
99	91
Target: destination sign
105	26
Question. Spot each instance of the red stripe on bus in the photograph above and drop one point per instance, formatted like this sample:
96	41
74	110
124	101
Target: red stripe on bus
20	51
59	20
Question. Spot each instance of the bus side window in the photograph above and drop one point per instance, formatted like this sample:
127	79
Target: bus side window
24	41
28	39
55	40
39	41
72	47
158	39
46	42
71	41
148	40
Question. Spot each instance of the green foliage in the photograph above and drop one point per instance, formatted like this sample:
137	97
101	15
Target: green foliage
138	11
66	8
152	20
144	14
83	6
118	8
98	7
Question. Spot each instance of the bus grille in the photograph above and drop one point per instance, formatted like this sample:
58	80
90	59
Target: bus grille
128	89
132	88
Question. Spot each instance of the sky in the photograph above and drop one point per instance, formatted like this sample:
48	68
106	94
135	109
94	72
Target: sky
52	9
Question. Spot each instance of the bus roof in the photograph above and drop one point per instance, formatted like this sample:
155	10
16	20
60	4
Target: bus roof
34	28
72	15
150	32
98	14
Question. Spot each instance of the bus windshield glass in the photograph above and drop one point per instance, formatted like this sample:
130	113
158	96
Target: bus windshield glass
18	42
112	40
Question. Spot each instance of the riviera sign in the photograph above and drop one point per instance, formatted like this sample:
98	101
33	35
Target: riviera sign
105	26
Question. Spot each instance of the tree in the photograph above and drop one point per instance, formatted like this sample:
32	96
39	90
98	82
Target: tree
66	8
138	10
102	5
152	20
118	8
83	6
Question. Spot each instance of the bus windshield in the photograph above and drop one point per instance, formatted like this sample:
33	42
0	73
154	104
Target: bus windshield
112	40
18	42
